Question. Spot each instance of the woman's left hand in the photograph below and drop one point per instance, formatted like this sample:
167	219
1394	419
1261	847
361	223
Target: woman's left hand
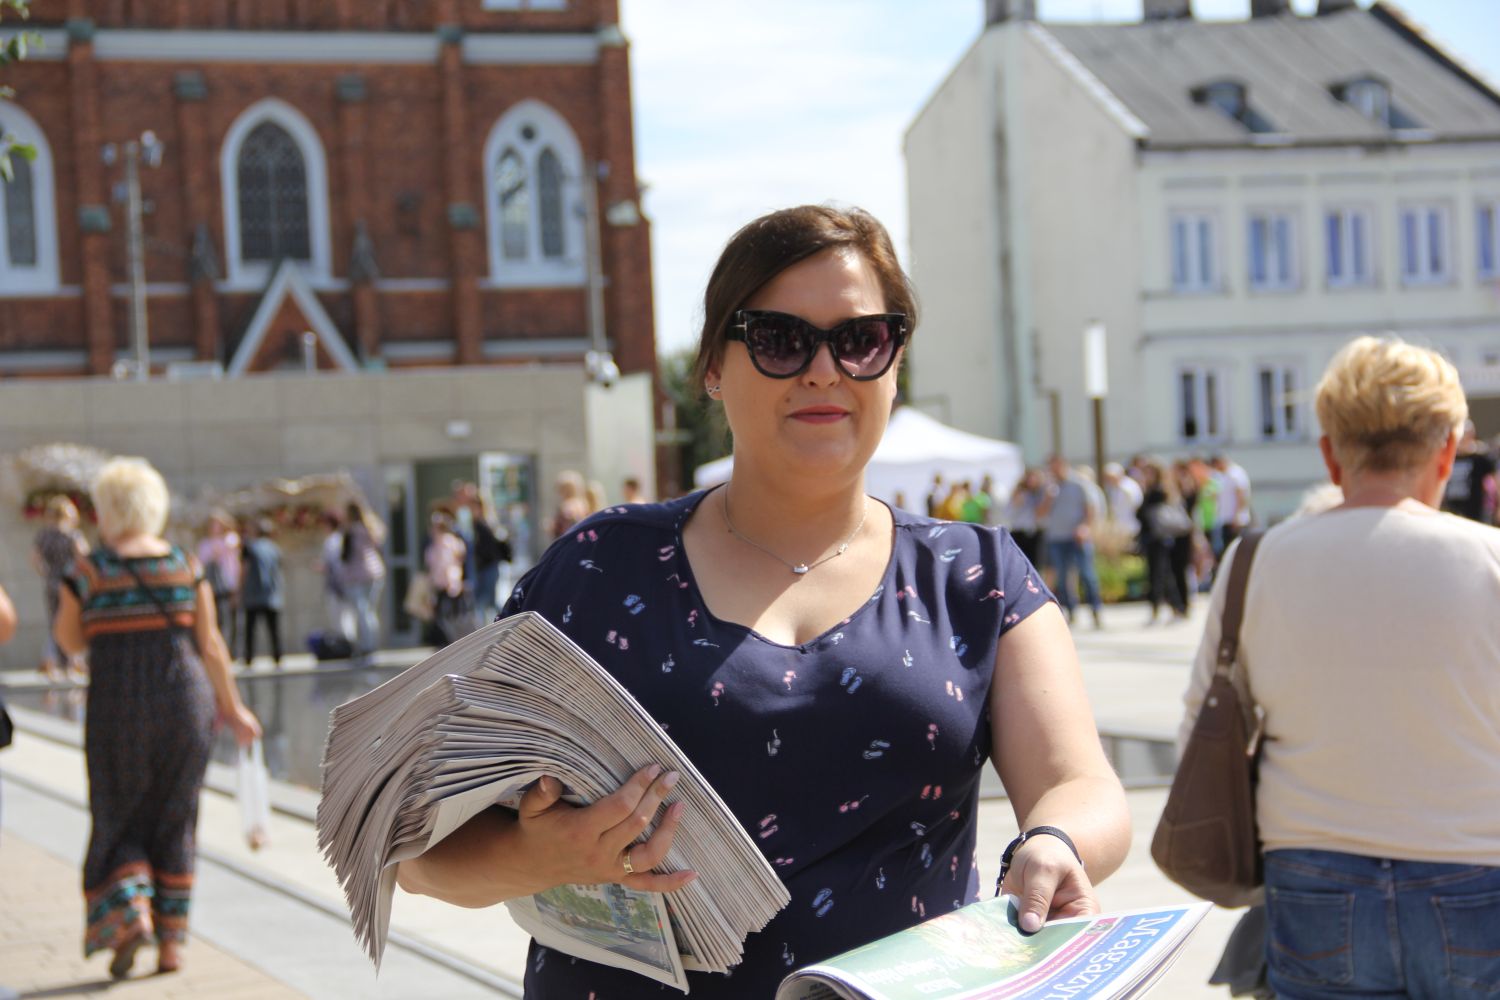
1048	881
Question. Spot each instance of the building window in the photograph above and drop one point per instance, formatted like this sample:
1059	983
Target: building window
275	181
1231	99
20	215
533	188
1194	252
1372	98
1280	402
1425	248
1350	260
28	249
273	196
1273	263
524	5
1202	407
1487	228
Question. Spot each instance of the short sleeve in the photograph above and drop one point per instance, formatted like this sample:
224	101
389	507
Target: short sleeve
1020	583
76	579
194	567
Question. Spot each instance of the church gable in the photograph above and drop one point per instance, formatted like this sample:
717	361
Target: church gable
275	338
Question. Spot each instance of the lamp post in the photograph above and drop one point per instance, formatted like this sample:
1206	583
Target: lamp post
149	148
598	363
1096	385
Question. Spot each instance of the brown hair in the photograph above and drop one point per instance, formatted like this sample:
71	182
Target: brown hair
764	248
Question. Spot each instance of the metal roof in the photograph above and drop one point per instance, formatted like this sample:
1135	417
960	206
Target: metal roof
1288	65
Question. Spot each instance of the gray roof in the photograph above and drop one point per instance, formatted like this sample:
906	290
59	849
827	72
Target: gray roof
1287	64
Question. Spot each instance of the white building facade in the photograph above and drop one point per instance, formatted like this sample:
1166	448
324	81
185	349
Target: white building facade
1233	201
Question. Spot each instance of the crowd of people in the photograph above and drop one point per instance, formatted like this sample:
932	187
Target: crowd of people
1179	518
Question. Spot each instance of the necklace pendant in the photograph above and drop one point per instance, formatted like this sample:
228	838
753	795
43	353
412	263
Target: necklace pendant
801	569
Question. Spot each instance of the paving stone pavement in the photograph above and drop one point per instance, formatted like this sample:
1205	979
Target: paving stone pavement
41	953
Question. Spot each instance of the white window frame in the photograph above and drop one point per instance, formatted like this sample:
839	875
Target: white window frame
1346	215
1288	403
253	274
1196	280
1211	415
552	131
1490	206
41	277
1280	269
1425	274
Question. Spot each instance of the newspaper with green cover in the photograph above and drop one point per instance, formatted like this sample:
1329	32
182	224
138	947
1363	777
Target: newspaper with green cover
979	951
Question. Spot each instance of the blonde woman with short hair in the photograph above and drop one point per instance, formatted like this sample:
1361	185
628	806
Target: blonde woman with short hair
145	613
1371	641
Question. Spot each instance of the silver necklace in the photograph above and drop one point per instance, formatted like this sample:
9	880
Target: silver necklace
801	569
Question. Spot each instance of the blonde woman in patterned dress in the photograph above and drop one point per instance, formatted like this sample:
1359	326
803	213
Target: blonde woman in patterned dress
160	674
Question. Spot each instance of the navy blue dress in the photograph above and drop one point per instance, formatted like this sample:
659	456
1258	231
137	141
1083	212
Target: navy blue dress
853	760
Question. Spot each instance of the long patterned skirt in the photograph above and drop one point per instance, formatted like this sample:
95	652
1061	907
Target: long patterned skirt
147	738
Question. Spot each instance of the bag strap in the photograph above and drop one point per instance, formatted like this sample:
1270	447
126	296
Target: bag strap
1234	601
151	593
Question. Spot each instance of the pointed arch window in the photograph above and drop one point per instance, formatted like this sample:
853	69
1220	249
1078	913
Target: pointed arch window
515	206
550	196
28	214
273	196
533	193
20	215
275	182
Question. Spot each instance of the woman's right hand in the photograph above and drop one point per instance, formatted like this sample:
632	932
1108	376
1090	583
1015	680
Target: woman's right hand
562	844
243	723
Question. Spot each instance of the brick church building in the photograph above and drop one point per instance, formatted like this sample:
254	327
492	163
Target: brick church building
408	180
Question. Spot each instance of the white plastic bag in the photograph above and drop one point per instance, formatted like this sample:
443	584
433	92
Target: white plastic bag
255	796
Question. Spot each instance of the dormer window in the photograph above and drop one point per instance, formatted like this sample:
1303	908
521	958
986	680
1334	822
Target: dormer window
1372	98
1231	99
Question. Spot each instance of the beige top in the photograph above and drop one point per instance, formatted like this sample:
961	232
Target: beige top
1372	640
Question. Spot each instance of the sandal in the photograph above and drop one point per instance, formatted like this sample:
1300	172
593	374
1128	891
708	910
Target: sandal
168	958
124	958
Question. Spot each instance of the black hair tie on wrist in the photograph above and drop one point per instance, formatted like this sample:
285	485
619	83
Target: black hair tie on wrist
1036	831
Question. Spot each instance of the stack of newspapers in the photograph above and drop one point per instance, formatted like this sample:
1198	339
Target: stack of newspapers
478	722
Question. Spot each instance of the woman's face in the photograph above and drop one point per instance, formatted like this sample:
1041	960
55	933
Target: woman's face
820	423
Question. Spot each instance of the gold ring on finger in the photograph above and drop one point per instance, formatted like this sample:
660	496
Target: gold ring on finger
629	868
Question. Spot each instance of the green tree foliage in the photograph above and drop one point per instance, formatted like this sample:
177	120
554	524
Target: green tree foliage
705	436
13	50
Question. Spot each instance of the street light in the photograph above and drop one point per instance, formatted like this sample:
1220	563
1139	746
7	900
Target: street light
1096	385
148	148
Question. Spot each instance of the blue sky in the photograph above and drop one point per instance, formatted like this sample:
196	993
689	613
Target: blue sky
743	106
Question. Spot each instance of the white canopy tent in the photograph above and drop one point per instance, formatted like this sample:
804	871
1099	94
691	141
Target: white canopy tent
915	448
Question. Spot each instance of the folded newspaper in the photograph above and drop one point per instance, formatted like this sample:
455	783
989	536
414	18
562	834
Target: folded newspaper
474	725
980	951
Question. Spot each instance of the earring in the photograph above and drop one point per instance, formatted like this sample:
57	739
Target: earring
712	390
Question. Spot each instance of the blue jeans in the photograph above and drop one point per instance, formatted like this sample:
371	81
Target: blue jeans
1066	555
1344	925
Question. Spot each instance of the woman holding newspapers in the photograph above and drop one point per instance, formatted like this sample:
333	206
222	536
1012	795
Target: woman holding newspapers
1369	640
839	671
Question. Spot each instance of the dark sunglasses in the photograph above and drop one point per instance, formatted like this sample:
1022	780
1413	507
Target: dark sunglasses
783	346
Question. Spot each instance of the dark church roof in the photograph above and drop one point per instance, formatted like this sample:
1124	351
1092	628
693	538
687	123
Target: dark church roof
1292	73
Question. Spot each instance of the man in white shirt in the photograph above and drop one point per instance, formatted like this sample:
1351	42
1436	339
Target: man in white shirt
1123	495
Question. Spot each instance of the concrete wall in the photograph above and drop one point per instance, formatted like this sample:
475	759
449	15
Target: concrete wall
1080	261
957	355
233	434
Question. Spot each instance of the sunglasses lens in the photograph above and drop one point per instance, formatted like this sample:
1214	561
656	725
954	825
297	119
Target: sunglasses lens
864	346
779	346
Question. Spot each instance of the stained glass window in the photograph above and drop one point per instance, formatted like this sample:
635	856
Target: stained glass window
273	197
20	214
549	188
515	205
